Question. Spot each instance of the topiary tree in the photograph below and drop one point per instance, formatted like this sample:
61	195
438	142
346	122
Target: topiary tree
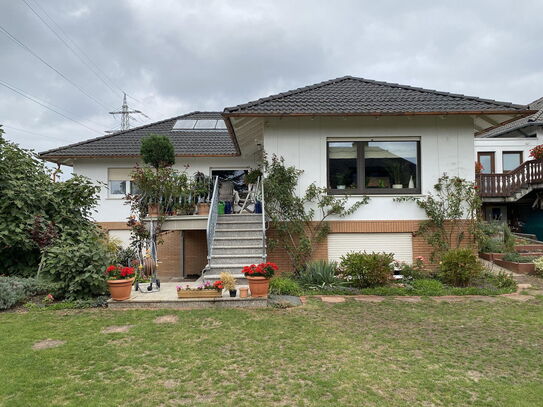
157	151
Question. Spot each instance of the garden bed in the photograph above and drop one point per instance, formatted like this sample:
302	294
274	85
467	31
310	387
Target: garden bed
521	268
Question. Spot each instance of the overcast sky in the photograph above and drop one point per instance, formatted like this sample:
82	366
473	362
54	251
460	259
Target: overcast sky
173	57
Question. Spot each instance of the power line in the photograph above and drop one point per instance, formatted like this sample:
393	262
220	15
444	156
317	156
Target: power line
8	126
81	51
68	45
47	107
50	66
52	104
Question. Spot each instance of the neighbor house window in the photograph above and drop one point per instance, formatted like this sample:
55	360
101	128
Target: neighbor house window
511	160
120	182
486	159
374	167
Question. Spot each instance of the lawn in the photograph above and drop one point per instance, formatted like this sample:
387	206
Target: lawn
350	354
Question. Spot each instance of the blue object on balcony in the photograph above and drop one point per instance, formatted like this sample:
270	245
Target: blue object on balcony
258	207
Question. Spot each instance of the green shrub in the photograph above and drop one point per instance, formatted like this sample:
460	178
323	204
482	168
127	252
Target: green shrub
319	274
518	258
428	286
284	286
78	262
367	269
125	256
459	267
492	246
502	280
14	290
539	266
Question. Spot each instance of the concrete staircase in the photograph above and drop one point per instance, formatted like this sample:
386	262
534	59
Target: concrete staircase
237	243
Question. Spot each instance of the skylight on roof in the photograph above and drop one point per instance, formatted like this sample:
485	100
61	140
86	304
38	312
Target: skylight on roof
204	124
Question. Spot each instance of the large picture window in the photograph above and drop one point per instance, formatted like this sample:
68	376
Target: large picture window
374	167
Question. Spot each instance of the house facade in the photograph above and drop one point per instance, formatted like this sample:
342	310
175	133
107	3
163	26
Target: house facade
350	135
503	152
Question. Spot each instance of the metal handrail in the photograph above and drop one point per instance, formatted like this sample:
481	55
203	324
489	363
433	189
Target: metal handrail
261	188
212	218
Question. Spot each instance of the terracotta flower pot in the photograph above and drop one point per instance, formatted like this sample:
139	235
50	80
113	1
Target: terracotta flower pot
243	292
259	286
203	208
153	210
120	289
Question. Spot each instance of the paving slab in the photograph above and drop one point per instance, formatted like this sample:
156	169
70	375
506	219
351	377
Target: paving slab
332	299
449	298
166	319
369	298
523	286
518	297
408	298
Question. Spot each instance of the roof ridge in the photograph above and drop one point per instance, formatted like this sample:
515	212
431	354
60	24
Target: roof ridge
106	136
288	93
371	81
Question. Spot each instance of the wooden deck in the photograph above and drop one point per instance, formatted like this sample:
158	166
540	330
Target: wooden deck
509	185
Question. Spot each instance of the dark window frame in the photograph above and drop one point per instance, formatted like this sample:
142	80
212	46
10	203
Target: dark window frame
492	155
361	173
519	153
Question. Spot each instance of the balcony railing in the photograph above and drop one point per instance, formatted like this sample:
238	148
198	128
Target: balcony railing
508	184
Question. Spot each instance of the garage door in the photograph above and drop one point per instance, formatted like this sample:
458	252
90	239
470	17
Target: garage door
401	244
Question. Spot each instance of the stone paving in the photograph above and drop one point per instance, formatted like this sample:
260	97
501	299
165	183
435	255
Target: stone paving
337	299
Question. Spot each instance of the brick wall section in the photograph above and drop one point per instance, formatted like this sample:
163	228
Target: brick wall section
420	247
195	251
169	256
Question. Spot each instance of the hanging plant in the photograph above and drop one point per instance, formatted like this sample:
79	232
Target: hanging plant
537	152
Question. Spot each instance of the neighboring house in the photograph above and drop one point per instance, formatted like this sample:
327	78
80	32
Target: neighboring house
351	135
510	182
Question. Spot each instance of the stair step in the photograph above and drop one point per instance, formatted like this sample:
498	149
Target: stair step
238	225
238	221
259	247
238	233
231	241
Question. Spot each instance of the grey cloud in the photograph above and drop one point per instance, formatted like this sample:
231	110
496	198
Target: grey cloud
178	56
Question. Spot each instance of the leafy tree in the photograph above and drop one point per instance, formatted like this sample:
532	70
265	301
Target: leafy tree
37	213
300	221
452	206
157	151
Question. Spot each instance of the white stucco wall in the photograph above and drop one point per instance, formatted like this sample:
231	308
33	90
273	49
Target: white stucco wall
446	148
114	209
499	145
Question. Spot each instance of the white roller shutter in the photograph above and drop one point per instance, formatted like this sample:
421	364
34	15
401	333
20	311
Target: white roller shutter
401	244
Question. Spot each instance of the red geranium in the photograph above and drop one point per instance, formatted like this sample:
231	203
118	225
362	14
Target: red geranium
218	285
261	270
537	152
119	272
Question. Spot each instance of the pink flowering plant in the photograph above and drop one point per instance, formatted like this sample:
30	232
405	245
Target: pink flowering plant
208	285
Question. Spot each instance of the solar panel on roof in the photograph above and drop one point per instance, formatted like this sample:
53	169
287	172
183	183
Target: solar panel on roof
205	124
184	124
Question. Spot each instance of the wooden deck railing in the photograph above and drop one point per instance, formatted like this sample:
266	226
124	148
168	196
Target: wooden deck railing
505	185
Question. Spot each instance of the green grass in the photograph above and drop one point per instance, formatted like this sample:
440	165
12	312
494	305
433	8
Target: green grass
351	354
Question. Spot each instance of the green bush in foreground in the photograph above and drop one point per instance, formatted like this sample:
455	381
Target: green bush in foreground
284	286
367	269
320	274
459	267
14	290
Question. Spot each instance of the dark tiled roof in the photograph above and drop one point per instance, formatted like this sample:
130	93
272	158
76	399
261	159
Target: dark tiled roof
535	119
350	95
127	143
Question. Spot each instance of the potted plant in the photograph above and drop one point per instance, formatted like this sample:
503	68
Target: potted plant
119	281
259	278
229	283
341	181
200	190
206	290
537	152
395	168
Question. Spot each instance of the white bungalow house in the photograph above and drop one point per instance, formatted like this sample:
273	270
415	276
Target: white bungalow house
350	135
511	183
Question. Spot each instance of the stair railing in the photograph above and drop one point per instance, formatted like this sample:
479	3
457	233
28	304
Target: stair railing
508	184
260	184
212	218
